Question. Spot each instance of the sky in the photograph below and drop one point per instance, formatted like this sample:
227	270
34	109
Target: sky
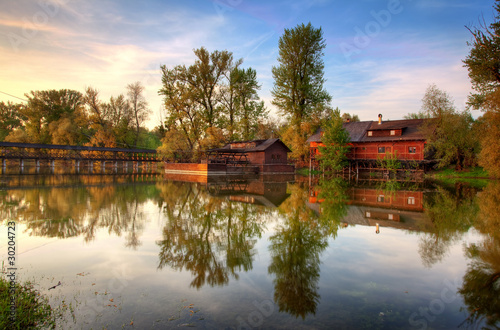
380	55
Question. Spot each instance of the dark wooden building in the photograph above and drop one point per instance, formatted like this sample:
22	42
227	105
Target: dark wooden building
270	156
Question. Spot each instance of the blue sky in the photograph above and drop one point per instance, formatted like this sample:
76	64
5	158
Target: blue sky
380	56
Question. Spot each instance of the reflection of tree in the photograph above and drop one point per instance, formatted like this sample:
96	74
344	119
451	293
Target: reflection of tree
69	211
481	285
213	238
297	244
452	214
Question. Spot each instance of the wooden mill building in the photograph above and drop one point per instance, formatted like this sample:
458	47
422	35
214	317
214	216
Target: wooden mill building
373	140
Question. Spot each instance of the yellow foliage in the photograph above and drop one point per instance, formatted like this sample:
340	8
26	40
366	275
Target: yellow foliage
17	135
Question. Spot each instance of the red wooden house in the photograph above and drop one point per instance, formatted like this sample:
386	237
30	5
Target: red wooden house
372	140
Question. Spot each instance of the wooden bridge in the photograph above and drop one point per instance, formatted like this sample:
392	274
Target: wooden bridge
18	153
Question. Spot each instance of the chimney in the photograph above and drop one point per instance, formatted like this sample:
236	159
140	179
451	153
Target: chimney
379	118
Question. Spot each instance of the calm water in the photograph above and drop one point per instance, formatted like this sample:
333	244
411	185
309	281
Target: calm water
149	252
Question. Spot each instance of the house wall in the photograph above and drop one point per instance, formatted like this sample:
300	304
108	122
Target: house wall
275	154
370	150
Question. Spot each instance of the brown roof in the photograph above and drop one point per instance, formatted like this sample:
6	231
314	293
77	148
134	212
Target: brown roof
357	130
410	128
261	145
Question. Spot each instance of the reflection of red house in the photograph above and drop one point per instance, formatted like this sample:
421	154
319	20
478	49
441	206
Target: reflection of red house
399	199
373	140
408	200
401	209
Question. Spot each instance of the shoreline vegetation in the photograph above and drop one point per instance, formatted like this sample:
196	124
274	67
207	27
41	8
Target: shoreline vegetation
32	309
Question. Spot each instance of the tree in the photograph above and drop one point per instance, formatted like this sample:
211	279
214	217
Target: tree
10	118
347	117
298	80
449	134
483	61
250	109
139	106
489	130
333	155
55	114
204	79
483	64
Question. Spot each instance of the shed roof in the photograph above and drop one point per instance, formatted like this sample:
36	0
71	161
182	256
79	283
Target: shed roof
260	145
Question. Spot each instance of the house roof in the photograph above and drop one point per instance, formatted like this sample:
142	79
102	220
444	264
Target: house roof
358	130
260	145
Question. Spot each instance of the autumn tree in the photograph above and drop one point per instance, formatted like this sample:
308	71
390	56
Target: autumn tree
211	101
10	118
55	116
333	155
489	132
298	79
483	63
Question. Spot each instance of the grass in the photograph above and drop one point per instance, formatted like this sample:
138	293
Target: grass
470	173
32	310
474	176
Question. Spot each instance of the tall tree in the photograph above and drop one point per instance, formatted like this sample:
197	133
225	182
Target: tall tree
250	109
139	106
205	77
298	79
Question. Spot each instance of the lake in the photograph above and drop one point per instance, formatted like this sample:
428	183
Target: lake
145	251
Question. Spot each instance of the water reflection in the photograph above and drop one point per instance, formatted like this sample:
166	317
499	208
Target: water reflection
452	211
70	206
481	283
211	229
297	245
211	237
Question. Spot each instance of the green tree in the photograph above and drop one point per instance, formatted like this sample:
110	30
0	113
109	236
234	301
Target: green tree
335	139
251	110
298	91
298	79
450	135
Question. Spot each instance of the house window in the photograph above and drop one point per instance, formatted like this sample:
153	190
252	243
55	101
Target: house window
381	150
390	216
368	214
370	133
412	150
393	132
411	200
380	198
